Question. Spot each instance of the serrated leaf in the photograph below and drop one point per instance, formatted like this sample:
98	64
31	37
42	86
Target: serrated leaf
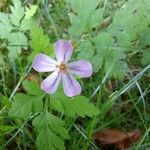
97	62
123	41
26	24
14	51
10	29
16	41
133	18
144	39
103	39
43	44
6	128
96	18
146	57
118	69
87	109
86	16
18	38
50	128
102	43
32	87
17	12
24	105
79	24
85	50
56	105
115	60
78	105
37	34
109	54
5	102
5	26
80	6
30	11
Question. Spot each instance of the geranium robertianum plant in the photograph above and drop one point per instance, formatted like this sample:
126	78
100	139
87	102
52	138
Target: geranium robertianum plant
51	129
113	36
62	69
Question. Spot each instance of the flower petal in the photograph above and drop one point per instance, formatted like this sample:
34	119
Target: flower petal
50	84
43	63
71	85
81	68
63	50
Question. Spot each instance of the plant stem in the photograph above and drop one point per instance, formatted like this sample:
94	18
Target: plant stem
85	136
19	83
14	135
143	138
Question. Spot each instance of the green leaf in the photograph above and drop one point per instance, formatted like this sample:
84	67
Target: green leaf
85	50
97	62
132	19
79	24
6	128
109	54
115	60
43	44
102	41
123	41
18	38
78	105
24	105
5	26
5	102
30	11
80	6
51	132
96	18
118	69
32	87
144	38
37	34
17	12
14	51
146	57
87	16
26	24
10	29
56	105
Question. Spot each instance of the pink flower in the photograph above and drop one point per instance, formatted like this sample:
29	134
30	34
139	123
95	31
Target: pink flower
62	70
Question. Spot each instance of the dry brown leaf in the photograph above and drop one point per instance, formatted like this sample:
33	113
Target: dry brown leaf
117	138
31	77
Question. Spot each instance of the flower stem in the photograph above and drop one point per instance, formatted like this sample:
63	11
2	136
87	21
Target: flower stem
20	81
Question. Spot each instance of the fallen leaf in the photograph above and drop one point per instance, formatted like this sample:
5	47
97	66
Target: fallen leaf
116	138
31	77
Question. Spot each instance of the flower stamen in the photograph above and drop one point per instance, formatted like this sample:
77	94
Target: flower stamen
63	68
